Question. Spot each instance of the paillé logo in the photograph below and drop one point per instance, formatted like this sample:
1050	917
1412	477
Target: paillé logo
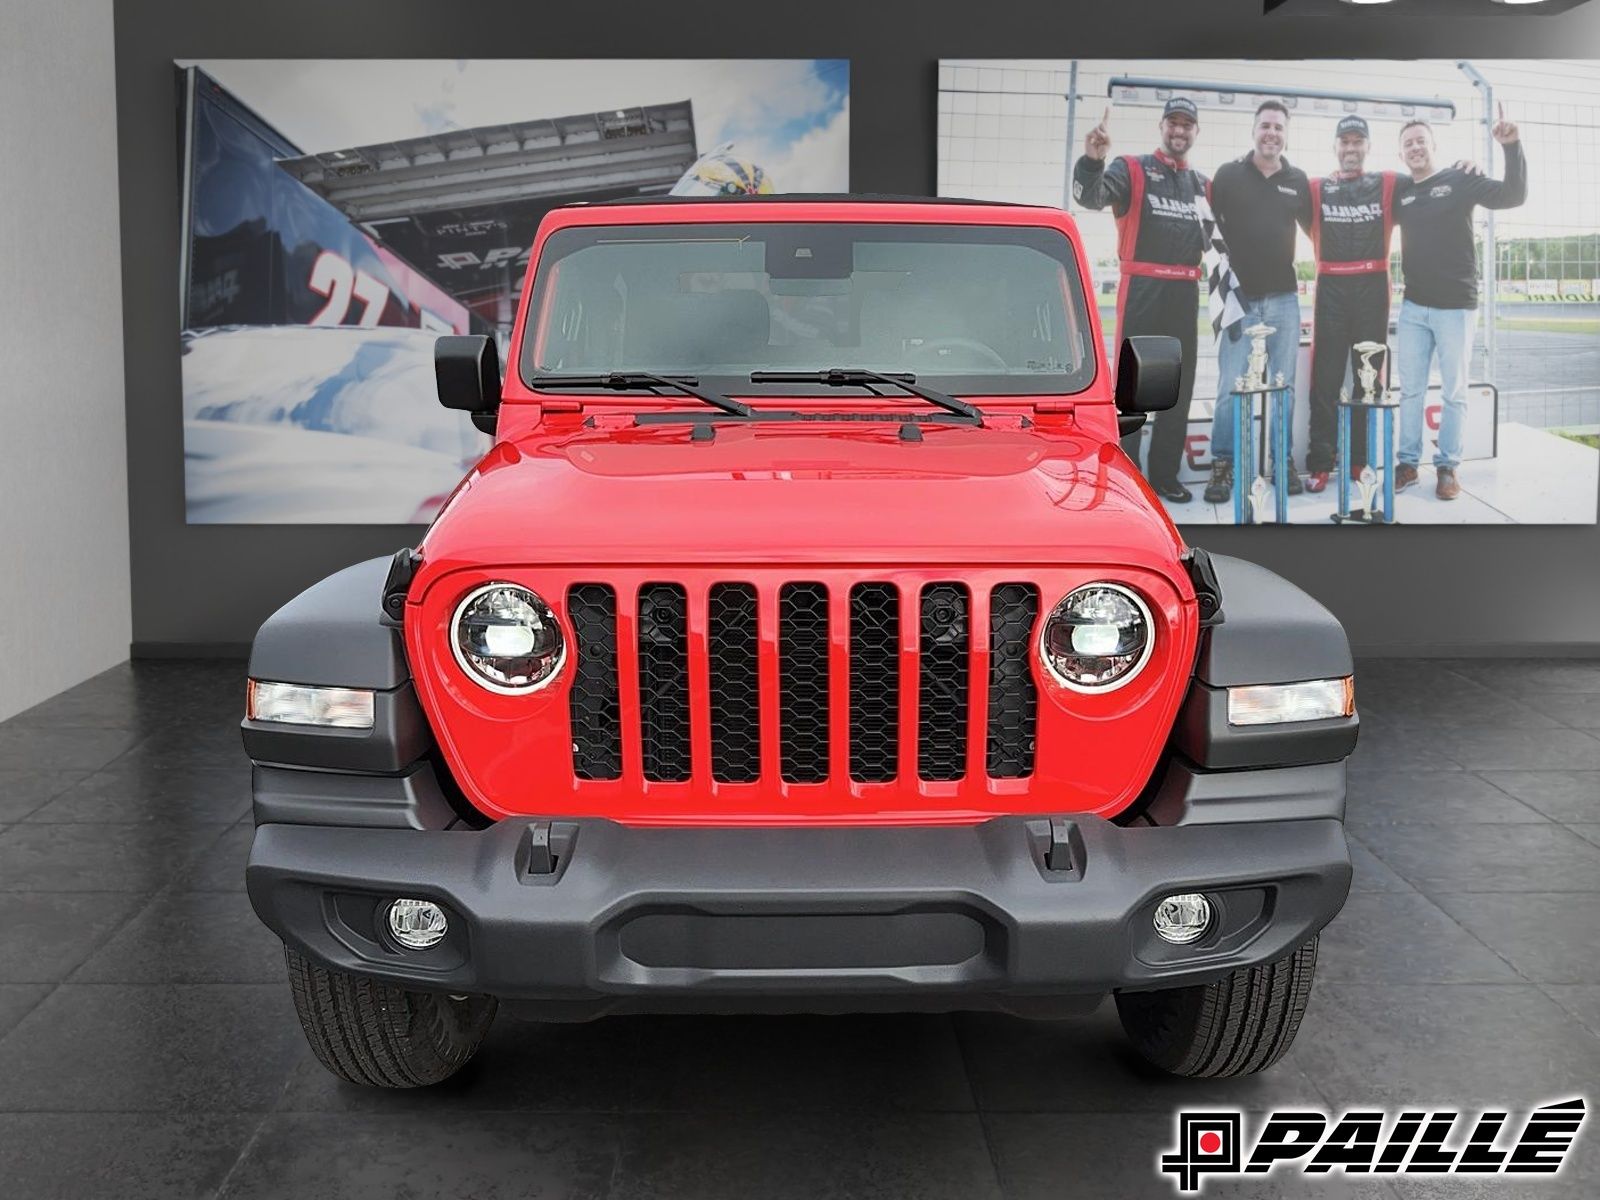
1415	1143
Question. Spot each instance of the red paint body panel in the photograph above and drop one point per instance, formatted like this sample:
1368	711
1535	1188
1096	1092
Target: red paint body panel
574	492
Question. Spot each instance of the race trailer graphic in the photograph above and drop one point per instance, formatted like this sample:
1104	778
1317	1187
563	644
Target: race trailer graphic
318	265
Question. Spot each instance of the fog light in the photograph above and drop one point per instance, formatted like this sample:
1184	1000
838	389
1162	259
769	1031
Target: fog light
1183	918
417	924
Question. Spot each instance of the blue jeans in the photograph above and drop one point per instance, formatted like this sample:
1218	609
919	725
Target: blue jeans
1423	332
1282	312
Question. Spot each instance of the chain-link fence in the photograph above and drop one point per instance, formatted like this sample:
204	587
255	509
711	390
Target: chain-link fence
1010	130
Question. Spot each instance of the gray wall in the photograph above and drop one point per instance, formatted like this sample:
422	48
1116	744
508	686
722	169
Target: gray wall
63	457
1399	591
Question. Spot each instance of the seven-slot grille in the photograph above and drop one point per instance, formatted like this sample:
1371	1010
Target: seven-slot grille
878	681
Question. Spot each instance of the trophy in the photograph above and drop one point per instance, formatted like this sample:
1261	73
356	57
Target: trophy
1367	488
1367	373
1255	370
1372	399
1260	494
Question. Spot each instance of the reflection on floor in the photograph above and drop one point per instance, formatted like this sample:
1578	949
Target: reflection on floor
148	1047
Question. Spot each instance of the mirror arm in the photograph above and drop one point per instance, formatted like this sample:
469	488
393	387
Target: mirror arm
1130	423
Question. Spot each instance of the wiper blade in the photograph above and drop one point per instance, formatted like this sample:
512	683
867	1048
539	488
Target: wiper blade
633	381
861	377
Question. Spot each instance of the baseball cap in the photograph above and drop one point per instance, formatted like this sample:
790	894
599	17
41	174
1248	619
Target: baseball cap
1353	124
1184	106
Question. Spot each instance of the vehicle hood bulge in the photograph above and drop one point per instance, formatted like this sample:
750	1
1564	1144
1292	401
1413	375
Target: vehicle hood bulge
693	492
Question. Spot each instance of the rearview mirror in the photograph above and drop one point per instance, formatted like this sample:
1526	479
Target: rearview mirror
467	370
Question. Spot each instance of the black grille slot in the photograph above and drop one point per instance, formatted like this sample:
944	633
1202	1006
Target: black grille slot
803	682
1013	696
944	682
664	681
874	681
735	684
593	703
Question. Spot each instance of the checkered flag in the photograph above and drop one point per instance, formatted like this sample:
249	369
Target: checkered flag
1223	302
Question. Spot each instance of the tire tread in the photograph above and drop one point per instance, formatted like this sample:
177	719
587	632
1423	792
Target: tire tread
1237	1025
376	1034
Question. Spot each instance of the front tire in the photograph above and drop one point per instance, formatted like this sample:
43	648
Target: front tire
1238	1025
374	1033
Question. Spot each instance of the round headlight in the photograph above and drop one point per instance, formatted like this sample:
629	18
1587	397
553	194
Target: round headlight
507	639
1097	638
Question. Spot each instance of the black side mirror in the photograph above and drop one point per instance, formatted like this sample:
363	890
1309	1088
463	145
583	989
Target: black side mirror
467	370
1149	370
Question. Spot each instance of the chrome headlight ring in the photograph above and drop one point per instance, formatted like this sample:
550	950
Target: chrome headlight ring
524	632
1138	654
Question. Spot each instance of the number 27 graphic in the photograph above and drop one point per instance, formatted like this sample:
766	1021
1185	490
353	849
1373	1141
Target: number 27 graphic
333	276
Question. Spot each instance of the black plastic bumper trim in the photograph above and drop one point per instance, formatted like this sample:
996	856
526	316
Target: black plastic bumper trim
640	918
1191	796
287	796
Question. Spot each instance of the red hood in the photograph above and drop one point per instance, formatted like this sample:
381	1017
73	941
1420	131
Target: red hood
802	493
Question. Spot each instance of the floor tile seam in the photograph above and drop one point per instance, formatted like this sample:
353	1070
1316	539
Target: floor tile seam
1578	839
255	1136
1592	1031
50	990
167	890
1479	776
137	743
1451	917
1480	773
104	939
61	792
969	1073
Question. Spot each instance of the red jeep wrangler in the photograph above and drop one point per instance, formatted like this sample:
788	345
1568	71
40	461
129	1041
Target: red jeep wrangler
805	642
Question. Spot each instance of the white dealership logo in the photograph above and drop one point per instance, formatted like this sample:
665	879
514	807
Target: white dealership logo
1374	1141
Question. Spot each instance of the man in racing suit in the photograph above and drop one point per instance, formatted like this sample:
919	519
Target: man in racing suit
1352	214
1159	245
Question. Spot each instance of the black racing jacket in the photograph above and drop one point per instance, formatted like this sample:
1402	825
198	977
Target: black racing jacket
1152	197
1352	217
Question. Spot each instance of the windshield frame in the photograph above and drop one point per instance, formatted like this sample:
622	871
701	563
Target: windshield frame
1051	240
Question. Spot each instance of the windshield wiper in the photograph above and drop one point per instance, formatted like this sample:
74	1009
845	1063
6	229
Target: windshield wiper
861	377
632	381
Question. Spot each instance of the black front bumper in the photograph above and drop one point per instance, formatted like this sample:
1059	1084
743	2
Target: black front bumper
1005	914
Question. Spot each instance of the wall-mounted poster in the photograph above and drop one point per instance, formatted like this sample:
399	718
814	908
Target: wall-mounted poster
1385	275
338	216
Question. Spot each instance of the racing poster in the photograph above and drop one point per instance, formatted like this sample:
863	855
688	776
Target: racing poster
1385	275
339	215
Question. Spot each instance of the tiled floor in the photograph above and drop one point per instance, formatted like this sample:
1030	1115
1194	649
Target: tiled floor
148	1047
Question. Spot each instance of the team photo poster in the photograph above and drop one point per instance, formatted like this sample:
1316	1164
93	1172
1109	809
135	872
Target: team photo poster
338	216
1385	275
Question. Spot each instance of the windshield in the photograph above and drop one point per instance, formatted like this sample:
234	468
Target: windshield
994	310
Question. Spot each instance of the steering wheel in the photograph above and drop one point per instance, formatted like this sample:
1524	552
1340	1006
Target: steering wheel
987	355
